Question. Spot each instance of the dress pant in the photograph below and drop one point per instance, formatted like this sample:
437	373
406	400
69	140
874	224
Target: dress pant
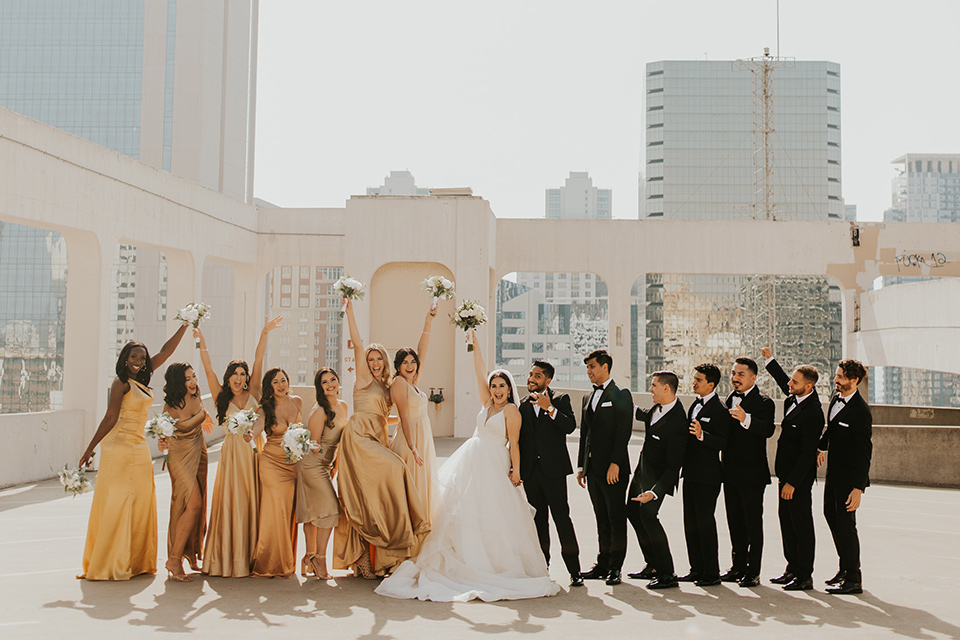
650	534
744	504
549	496
700	527
609	507
843	527
796	529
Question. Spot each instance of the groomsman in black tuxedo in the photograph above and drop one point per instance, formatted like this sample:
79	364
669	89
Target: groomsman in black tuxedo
709	426
657	475
546	419
848	441
606	422
746	472
796	469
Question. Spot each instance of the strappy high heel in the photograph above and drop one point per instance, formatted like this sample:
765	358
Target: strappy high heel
305	568
319	565
176	573
363	566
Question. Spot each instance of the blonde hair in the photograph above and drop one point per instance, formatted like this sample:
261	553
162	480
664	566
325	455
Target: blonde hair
376	346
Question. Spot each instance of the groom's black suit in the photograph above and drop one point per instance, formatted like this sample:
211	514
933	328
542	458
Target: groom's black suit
544	467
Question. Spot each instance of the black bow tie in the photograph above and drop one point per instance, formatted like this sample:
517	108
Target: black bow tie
698	401
738	394
841	400
598	387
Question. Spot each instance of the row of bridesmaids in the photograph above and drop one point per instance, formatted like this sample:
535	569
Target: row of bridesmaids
380	516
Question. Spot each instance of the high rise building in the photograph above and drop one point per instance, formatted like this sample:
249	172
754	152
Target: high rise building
578	199
398	183
705	161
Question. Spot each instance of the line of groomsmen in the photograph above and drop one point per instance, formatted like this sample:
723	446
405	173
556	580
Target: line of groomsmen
715	443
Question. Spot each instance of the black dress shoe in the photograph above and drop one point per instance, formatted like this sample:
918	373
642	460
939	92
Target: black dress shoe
786	578
837	579
663	582
576	580
710	581
614	577
749	581
690	577
847	586
648	573
798	585
732	576
595	573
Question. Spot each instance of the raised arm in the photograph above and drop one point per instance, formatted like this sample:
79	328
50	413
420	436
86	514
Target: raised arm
364	378
399	392
168	348
512	417
775	370
256	376
425	339
117	390
213	382
480	369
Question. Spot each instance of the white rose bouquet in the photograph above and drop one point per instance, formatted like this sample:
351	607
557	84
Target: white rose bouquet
75	481
160	427
349	288
193	314
241	423
469	315
439	287
296	442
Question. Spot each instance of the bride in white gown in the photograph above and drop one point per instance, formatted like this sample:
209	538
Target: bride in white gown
483	543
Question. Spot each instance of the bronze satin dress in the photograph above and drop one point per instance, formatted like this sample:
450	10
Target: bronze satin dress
122	530
379	500
188	472
316	500
276	553
234	507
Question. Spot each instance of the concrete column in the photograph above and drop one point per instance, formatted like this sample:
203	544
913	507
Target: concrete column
183	287
248	319
618	292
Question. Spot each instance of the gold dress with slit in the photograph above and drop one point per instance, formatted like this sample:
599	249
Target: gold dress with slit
380	504
122	530
188	473
316	500
275	555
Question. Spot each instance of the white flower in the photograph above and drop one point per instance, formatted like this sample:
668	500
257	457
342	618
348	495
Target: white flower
446	283
296	442
75	481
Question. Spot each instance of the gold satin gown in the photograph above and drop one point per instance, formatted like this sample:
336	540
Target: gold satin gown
188	473
234	507
316	500
380	502
122	530
276	553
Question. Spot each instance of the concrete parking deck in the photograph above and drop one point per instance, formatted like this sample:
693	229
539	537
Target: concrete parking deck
911	560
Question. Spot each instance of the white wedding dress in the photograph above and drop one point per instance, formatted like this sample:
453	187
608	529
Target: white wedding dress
483	543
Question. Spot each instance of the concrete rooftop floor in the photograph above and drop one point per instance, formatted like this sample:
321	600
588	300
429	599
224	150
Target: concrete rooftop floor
911	564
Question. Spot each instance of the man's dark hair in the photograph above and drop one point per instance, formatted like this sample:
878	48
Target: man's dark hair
710	371
546	367
602	358
853	369
668	378
809	372
749	363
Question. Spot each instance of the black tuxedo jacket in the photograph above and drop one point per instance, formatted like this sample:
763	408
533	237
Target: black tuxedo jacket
796	461
701	461
745	456
664	443
544	438
605	433
848	439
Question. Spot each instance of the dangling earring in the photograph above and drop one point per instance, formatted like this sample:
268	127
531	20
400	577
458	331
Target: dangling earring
245	385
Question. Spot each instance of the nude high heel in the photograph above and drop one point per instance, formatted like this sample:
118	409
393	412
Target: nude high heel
305	568
319	565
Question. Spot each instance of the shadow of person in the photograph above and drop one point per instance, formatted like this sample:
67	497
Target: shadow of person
172	608
104	599
354	594
529	611
867	610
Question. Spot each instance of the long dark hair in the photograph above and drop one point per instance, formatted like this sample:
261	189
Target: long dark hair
143	376
175	384
401	356
268	401
226	393
322	401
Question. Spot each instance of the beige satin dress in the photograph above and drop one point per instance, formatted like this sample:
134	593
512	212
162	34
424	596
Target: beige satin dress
122	530
276	550
316	500
381	508
188	473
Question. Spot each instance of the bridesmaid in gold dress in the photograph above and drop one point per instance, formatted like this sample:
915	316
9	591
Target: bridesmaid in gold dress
234	504
122	530
317	505
381	508
275	555
413	440
188	469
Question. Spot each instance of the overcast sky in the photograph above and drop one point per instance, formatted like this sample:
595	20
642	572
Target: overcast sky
508	97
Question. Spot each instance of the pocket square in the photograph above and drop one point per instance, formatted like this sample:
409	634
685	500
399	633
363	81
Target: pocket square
606	404
655	437
843	424
704	419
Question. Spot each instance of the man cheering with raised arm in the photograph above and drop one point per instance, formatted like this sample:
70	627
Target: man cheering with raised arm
546	419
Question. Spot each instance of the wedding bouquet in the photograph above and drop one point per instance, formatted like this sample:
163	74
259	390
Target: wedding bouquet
160	427
296	442
193	314
439	287
75	481
241	423
349	288
469	315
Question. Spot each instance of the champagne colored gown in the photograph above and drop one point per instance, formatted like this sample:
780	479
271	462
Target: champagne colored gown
379	499
276	553
188	473
316	500
122	530
234	507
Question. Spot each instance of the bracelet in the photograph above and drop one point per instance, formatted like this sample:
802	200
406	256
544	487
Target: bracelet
424	332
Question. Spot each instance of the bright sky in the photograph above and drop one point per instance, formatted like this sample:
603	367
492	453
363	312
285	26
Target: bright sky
509	96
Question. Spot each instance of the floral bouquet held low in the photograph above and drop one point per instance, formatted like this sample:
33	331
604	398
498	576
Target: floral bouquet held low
296	442
75	481
193	314
468	316
160	427
349	289
241	424
439	287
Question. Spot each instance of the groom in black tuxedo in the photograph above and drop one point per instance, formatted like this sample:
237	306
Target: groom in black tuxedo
546	420
606	423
